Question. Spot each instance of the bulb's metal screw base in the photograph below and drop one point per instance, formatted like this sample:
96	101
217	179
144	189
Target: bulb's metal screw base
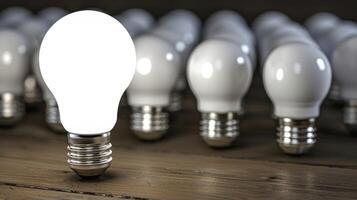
219	129
12	109
149	123
335	93
296	137
53	116
32	93
89	155
175	101
350	116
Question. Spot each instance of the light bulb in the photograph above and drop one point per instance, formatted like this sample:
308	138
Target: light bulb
13	69
52	14
219	74
87	60
297	78
321	23
189	25
12	16
136	21
344	61
157	70
52	111
328	43
269	21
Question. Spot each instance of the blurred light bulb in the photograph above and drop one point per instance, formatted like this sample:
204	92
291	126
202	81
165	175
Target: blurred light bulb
344	59
87	60
297	78
186	23
52	112
136	21
52	14
219	74
13	69
12	16
34	28
157	70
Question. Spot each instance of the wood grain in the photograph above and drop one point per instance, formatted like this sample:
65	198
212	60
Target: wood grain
16	192
33	163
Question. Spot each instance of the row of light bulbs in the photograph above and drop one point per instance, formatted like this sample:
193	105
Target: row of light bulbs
77	65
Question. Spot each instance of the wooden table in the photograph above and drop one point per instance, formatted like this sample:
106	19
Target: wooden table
181	166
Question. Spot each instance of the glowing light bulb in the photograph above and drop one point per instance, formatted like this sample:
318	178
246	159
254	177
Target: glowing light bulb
87	60
157	70
13	69
219	74
297	78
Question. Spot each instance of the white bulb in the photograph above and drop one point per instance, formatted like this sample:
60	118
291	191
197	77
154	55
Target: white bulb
297	78
13	70
87	60
52	14
269	21
184	23
342	31
219	74
158	67
344	59
136	21
229	16
35	29
321	23
12	16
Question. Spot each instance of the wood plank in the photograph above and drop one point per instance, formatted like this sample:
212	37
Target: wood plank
159	175
21	193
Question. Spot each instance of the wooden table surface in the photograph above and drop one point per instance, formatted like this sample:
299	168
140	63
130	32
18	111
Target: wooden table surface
181	166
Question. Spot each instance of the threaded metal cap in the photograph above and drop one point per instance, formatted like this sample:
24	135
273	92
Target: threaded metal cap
89	156
219	129
149	123
296	137
12	109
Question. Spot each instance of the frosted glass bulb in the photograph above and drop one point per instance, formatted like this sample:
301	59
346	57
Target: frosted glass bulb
13	69
321	23
246	46
225	16
183	22
52	14
136	21
337	35
184	49
87	60
12	16
343	60
181	28
52	112
269	21
297	78
157	70
219	74
35	29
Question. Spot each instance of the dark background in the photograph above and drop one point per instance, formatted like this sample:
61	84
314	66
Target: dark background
297	9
